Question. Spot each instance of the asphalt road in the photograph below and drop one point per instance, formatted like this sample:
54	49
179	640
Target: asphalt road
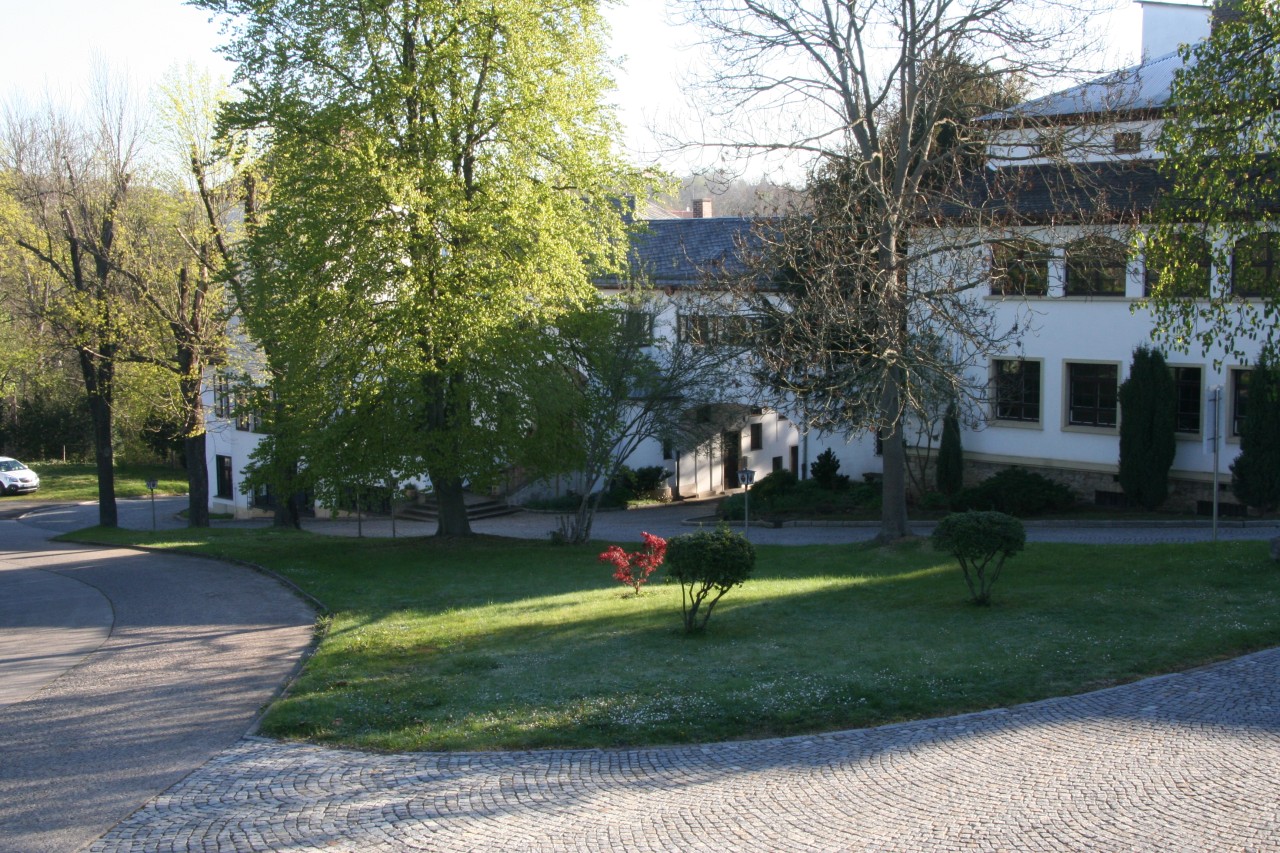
120	673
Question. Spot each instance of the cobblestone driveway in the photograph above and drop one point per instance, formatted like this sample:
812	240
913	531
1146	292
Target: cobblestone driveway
1184	762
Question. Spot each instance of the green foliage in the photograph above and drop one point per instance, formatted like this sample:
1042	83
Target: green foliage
645	480
45	426
825	469
420	237
807	499
1017	491
707	564
1255	474
975	539
950	474
774	485
1148	417
1219	150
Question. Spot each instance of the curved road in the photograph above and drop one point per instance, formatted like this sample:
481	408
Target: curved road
1183	762
120	673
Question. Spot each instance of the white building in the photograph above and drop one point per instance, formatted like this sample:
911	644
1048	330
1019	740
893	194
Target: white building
1052	402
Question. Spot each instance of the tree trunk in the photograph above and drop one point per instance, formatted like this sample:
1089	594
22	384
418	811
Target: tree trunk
98	377
197	480
451	506
893	498
287	513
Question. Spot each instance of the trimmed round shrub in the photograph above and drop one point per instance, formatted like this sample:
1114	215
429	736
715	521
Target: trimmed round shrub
707	564
975	539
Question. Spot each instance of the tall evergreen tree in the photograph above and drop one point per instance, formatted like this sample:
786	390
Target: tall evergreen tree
1255	475
950	476
1147	420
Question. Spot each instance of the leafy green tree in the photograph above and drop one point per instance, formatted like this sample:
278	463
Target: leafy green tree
635	381
80	222
1219	147
1255	474
1148	417
442	178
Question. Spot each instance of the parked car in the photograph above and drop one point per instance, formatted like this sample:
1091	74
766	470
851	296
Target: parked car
16	478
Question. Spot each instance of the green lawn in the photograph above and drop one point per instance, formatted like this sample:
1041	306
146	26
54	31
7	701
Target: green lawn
499	644
75	481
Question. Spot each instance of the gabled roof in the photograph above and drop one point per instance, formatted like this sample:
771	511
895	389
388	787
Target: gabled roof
678	252
1144	88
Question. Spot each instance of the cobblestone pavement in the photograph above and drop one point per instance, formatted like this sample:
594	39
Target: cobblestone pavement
1177	763
1183	762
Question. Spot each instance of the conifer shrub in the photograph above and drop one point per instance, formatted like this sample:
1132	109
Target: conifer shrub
1148	409
950	472
826	469
1255	475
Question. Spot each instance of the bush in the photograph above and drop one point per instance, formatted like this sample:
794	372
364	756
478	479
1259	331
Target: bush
1147	440
1255	475
707	564
1018	492
645	480
950	472
777	484
634	568
975	539
825	468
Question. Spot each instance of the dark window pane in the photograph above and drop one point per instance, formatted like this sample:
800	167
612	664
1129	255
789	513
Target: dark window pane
1093	391
1017	390
1096	267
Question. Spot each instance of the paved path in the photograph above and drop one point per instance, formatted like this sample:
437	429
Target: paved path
1179	763
120	673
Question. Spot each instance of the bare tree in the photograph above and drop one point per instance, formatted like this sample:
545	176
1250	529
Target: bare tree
874	95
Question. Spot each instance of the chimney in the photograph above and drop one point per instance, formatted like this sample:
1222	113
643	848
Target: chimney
702	208
1166	26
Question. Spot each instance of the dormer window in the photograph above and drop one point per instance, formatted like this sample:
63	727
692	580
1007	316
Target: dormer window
1127	142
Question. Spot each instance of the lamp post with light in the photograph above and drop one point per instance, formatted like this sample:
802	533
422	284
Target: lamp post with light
746	477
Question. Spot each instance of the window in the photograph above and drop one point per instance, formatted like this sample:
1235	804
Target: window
244	415
1096	266
1092	394
1255	265
777	463
1017	390
222	471
1186	383
757	436
1020	268
1127	142
1192	281
636	325
221	397
1239	398
713	330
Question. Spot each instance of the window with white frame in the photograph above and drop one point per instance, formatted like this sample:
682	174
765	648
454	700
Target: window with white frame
1016	390
1019	267
1096	266
1255	266
1092	394
1187	396
1191	278
1239	398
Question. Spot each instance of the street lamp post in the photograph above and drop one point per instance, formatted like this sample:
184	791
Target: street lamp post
746	477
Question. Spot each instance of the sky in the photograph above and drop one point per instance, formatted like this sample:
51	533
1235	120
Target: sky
52	46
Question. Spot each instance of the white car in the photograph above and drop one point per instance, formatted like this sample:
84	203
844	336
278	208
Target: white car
16	478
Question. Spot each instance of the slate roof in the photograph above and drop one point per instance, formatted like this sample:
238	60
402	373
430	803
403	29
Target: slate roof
1055	192
1144	88
678	252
